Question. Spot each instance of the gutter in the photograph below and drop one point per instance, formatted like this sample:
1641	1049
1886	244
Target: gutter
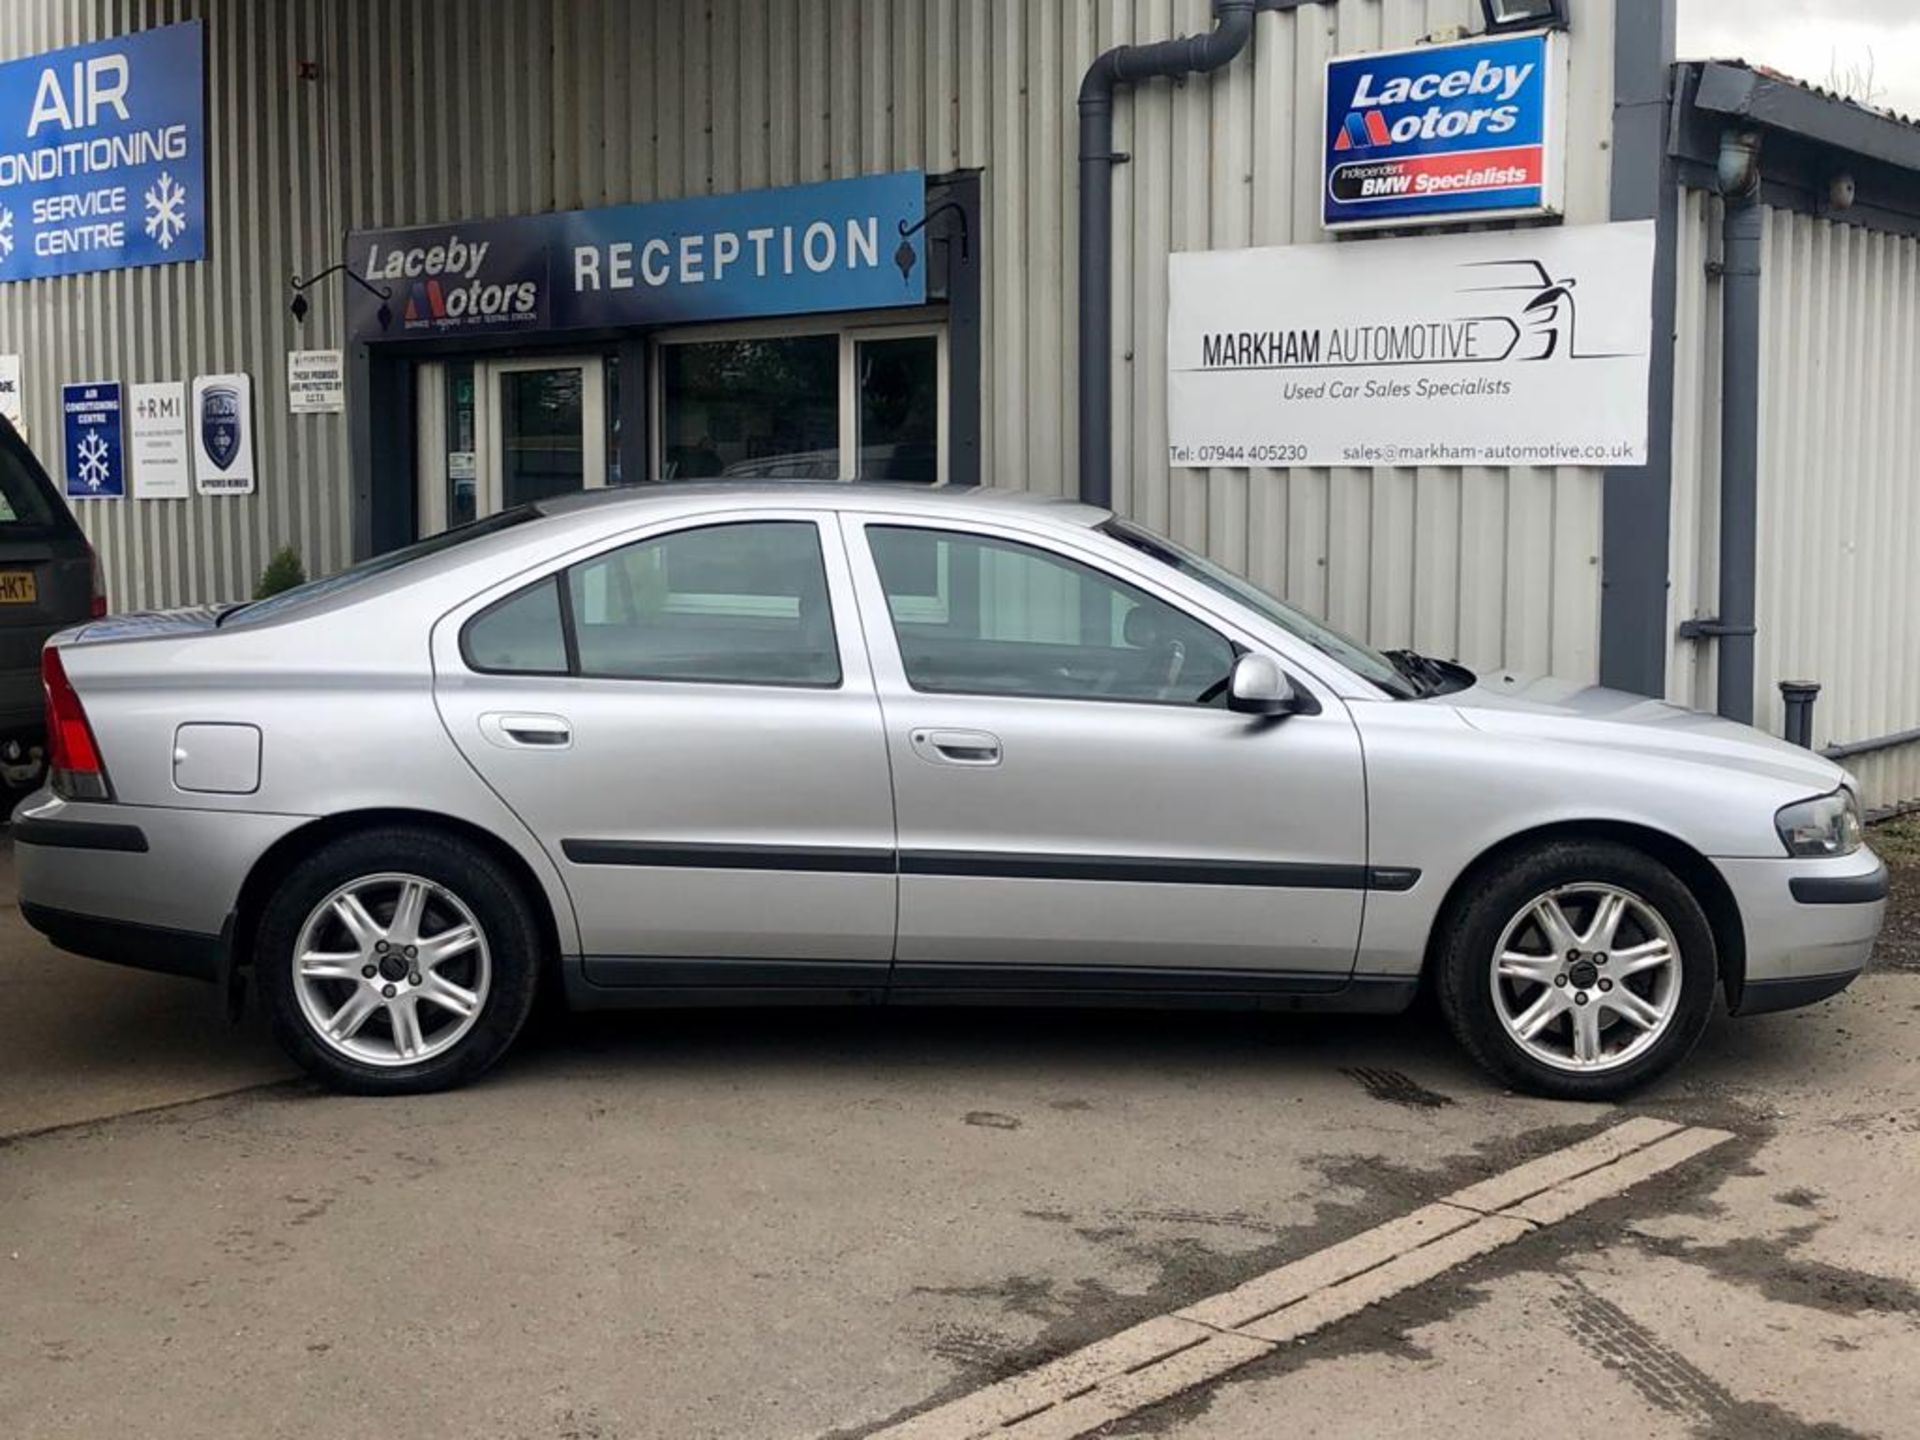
1123	65
1743	226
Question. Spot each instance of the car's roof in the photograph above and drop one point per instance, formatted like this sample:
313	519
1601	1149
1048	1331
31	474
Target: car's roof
829	495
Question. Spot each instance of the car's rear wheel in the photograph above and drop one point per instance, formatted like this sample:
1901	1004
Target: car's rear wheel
396	961
1580	970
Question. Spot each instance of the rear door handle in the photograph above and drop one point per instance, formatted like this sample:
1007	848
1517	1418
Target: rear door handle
957	747
527	732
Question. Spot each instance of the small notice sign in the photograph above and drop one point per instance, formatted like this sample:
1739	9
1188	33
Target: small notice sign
223	434
10	401
92	417
160	441
316	382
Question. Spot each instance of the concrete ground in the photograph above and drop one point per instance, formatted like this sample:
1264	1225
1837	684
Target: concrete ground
807	1224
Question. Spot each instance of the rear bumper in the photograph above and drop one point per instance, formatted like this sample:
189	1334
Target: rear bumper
124	942
143	885
1810	926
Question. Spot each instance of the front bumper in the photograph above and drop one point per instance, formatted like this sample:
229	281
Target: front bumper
1810	926
149	886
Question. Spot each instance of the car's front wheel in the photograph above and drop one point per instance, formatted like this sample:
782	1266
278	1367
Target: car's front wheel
397	961
1581	970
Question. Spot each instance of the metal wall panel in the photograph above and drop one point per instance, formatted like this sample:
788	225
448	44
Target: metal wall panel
1838	595
1838	590
437	109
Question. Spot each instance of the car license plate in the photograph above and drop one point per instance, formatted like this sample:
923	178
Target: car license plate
17	587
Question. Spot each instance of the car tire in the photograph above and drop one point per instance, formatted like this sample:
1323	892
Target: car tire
1549	1001
440	1006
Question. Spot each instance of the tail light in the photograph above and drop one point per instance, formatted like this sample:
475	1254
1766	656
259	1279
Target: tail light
97	607
73	760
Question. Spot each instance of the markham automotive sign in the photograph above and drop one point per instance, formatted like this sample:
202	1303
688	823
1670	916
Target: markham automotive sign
1515	347
839	245
102	164
1446	132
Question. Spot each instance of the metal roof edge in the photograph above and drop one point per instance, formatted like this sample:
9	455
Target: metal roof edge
1780	104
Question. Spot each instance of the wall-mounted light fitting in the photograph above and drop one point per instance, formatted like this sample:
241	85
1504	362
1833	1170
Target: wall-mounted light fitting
1525	14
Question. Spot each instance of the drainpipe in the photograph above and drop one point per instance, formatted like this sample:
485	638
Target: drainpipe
1741	227
1123	65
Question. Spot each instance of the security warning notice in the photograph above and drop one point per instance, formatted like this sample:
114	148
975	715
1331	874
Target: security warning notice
1524	347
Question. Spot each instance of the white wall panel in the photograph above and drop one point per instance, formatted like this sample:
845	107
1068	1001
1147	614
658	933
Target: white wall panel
435	109
1837	598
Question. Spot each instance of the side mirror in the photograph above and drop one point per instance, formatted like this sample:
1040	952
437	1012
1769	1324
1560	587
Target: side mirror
1260	687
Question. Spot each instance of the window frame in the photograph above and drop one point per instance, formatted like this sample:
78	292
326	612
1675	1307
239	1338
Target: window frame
865	524
851	330
561	577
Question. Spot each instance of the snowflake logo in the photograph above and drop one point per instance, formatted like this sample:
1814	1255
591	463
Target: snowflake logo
166	210
6	232
93	460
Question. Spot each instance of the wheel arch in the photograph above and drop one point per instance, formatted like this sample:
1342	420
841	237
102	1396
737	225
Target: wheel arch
1694	870
290	849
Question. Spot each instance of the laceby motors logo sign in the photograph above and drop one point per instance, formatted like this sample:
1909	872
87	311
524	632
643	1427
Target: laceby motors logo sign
460	278
856	244
1445	132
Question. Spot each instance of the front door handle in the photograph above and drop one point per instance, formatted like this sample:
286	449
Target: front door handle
527	732
957	747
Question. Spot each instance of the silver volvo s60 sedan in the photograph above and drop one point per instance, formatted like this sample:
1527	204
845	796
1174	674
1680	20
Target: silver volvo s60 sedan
840	744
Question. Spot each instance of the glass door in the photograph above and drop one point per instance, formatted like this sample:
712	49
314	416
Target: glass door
500	433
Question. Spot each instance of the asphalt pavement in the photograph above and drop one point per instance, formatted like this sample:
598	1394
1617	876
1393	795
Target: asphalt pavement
812	1224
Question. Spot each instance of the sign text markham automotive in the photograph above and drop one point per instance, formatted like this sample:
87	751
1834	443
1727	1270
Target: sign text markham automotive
1524	347
1444	131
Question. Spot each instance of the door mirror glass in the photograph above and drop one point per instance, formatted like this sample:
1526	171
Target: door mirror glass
1260	687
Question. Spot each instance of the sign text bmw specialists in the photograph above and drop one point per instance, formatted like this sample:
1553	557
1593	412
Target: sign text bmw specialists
1445	131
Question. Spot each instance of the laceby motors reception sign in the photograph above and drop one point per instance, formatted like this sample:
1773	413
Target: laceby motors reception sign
1517	347
102	162
1446	132
852	244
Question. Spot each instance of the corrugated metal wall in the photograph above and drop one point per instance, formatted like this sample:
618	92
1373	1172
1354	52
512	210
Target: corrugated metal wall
1838	597
436	109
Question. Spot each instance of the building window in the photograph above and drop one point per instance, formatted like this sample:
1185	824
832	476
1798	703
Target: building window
762	406
802	402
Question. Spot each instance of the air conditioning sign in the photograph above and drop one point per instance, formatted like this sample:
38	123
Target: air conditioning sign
1446	132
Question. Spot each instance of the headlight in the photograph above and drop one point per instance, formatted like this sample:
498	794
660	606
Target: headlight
1816	829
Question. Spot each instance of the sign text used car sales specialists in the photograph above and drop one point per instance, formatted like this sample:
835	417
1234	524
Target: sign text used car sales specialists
1519	347
1444	131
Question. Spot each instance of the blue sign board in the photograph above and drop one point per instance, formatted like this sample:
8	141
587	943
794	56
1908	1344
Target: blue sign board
96	460
838	245
1445	132
102	163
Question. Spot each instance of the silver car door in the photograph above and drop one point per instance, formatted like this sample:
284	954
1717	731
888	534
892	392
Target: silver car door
687	722
1063	800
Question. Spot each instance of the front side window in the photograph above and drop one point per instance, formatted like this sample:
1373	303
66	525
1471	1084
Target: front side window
735	604
991	617
1363	660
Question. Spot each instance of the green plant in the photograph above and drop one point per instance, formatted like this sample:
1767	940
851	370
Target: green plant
283	572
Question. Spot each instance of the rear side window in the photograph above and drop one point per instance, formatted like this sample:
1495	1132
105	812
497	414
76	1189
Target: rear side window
521	635
742	604
25	501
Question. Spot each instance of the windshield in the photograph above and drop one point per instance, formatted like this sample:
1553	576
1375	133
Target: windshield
1364	661
306	594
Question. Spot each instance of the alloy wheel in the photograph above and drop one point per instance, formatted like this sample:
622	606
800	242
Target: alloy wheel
391	969
1586	977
